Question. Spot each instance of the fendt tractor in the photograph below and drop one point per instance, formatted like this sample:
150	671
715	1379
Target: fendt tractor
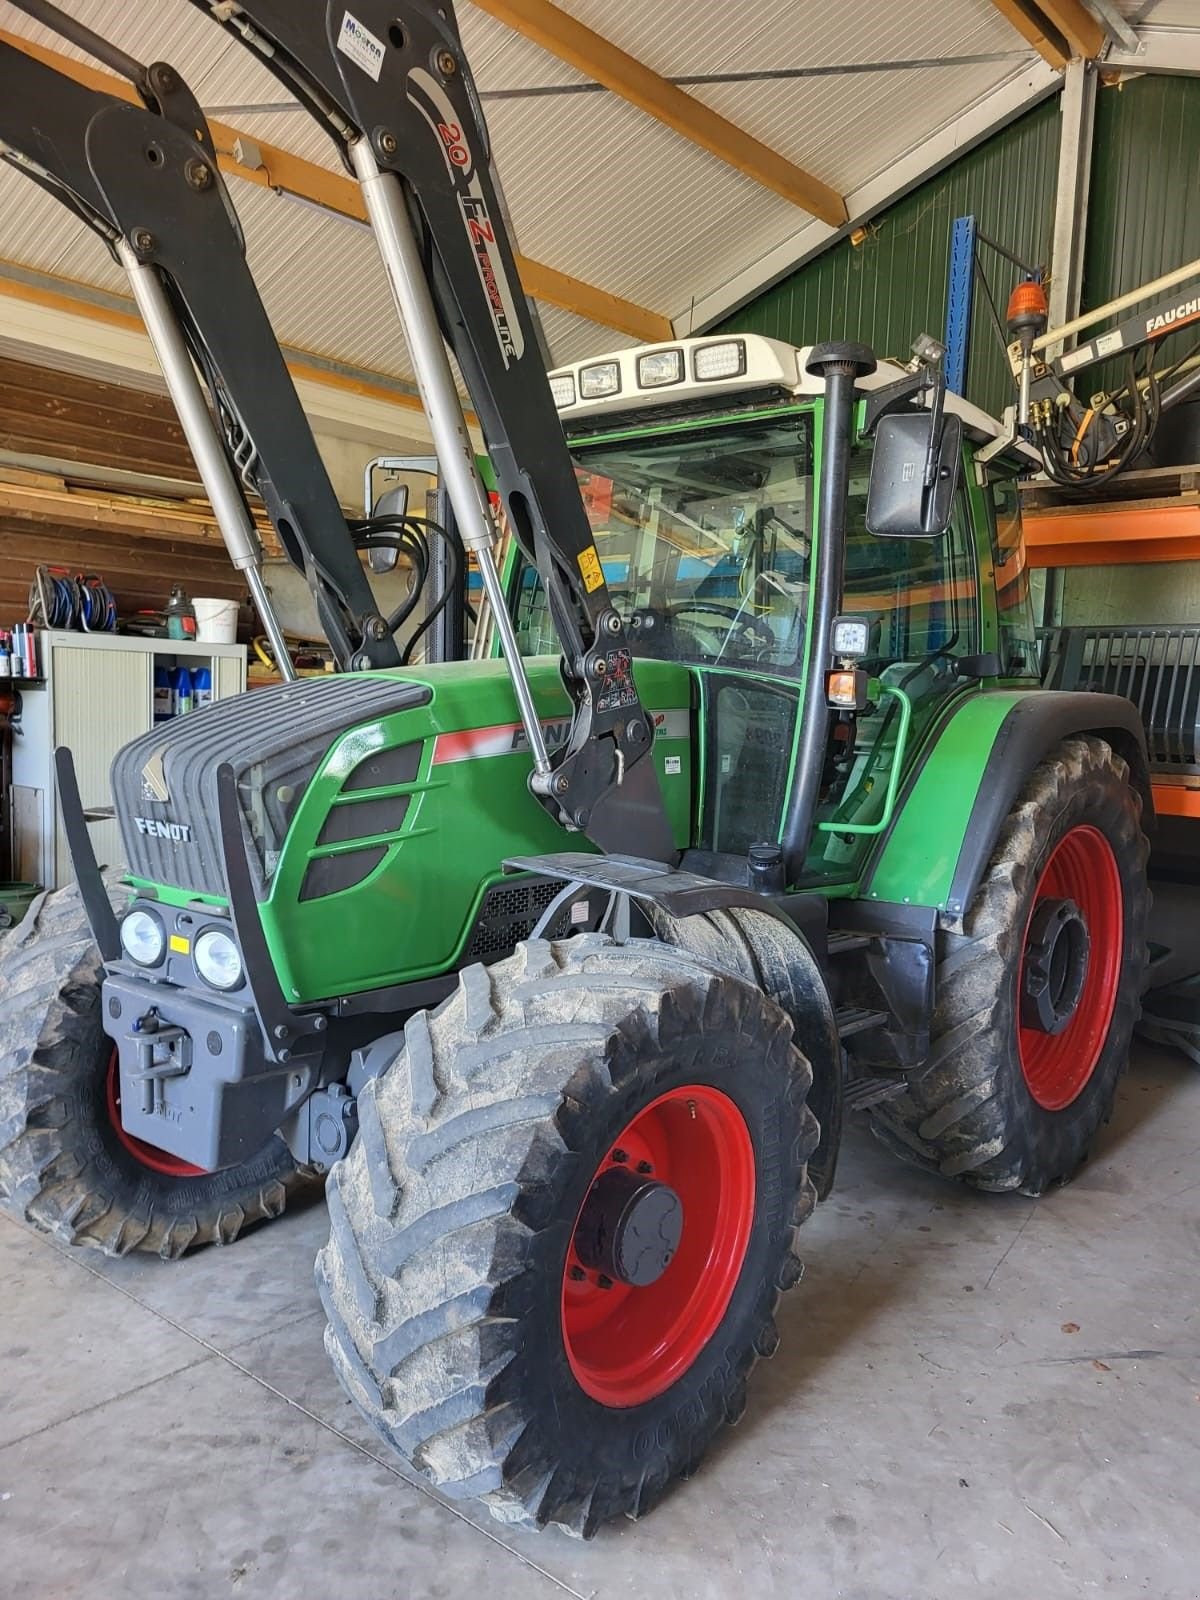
562	968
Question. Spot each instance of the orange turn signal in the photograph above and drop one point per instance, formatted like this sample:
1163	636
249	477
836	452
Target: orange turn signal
847	689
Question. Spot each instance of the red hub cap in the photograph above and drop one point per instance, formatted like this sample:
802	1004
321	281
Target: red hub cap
147	1155
673	1203
1070	967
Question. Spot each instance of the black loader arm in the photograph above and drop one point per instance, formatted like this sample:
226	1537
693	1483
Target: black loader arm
145	179
389	82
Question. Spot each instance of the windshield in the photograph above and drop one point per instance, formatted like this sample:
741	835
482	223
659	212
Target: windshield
704	538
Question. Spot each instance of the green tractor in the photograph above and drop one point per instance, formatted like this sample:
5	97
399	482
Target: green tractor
574	1114
564	968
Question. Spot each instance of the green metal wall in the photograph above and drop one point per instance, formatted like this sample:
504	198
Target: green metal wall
1144	211
893	286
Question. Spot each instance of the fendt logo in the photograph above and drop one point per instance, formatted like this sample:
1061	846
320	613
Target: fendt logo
163	828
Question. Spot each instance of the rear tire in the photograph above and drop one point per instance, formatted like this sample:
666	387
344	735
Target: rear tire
998	1105
450	1275
64	1167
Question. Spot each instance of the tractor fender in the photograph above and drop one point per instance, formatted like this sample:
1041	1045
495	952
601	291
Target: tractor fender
748	935
955	801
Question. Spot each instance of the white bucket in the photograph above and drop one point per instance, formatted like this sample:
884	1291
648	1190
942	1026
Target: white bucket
216	621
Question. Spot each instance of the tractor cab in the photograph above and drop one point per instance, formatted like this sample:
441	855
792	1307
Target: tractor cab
700	469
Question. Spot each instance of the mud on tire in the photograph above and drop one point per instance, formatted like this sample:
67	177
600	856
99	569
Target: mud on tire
969	1113
62	1166
452	1217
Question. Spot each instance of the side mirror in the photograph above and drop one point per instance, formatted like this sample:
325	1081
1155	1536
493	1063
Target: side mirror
391	503
909	449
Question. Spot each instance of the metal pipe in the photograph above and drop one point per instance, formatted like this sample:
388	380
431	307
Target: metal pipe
392	227
841	366
1167	281
229	509
78	33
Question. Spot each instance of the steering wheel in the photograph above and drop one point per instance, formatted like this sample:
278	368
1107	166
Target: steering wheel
759	634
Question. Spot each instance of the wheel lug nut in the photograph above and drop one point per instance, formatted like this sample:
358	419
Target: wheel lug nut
644	1166
604	1281
576	1274
619	1155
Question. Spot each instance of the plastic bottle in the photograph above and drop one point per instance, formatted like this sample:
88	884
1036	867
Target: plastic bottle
17	666
32	668
202	687
184	692
164	696
5	657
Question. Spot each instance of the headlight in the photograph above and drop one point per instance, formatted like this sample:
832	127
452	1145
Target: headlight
143	938
604	377
218	960
563	389
660	367
726	360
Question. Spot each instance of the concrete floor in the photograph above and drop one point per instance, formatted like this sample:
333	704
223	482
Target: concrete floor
992	1396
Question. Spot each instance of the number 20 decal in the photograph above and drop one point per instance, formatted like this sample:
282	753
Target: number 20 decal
451	136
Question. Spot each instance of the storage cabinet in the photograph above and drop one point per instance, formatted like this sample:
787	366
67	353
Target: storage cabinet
97	695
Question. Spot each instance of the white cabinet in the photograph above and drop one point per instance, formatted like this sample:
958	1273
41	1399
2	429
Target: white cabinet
97	695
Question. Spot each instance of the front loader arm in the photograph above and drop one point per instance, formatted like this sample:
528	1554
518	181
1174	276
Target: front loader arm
390	84
145	179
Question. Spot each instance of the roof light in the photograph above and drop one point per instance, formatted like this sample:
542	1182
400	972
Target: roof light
603	377
563	389
659	368
725	360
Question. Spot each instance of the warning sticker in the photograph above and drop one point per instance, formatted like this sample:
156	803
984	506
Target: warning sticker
673	766
361	45
589	566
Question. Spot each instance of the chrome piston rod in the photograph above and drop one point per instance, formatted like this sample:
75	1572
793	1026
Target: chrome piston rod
402	262
229	509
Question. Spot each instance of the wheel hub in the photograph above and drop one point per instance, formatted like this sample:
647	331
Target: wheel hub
630	1227
1057	950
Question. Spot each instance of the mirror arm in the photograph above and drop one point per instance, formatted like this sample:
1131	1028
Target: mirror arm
894	397
936	408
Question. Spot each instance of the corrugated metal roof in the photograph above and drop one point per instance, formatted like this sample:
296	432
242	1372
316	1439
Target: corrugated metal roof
595	187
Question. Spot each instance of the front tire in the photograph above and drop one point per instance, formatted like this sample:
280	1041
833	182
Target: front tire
66	1164
1014	1089
469	1318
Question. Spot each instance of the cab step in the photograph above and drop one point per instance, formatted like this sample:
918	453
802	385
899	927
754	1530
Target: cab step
860	1093
858	1019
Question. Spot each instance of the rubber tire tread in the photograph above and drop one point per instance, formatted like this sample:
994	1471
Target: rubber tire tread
62	1168
447	1214
967	1113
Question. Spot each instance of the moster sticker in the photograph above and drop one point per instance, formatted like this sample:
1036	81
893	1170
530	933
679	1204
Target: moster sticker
361	45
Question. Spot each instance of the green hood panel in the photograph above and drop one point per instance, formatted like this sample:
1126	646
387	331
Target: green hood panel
417	810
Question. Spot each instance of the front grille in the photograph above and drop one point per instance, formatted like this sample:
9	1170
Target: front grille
1157	668
274	739
509	914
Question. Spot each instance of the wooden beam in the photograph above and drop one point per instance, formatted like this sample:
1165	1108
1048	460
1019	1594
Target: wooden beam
32	497
1057	29
1077	25
78	300
1048	46
286	173
590	53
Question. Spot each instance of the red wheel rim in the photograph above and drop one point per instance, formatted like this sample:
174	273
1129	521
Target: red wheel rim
1082	868
147	1155
627	1344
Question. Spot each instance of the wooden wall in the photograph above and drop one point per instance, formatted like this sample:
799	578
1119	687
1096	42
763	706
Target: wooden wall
85	423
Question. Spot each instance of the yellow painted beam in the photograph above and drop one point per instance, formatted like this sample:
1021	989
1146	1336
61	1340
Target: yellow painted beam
602	61
1077	25
291	174
1057	29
